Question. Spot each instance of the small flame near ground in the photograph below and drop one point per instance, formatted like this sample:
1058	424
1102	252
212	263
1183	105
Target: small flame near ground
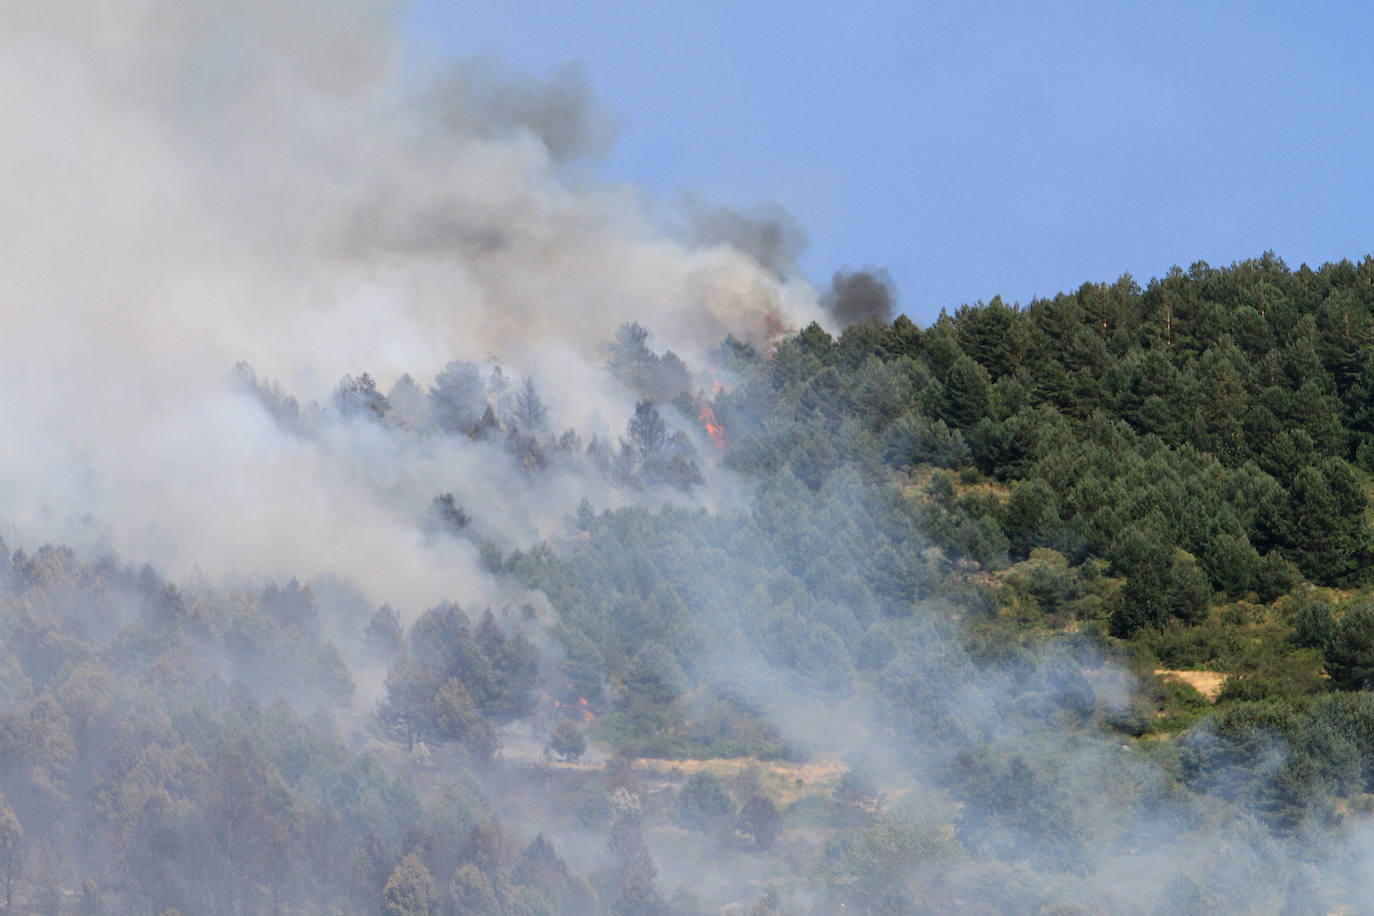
581	706
707	415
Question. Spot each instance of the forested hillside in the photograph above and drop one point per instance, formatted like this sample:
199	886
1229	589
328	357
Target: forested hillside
900	620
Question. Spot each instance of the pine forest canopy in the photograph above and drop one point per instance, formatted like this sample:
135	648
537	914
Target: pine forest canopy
916	628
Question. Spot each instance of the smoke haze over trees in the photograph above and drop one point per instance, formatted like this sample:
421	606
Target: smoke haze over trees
398	520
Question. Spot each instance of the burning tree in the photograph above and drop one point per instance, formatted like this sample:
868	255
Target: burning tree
707	416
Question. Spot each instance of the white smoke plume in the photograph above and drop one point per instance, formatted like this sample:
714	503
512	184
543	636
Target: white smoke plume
190	184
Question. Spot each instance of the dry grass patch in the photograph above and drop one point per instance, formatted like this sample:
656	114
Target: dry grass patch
1207	683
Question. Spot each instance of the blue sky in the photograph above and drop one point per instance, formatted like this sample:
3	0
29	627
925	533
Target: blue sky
972	150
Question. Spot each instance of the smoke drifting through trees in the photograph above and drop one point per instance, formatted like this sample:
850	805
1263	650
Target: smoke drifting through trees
286	206
291	206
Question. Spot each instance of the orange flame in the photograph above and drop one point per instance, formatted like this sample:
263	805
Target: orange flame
707	416
581	706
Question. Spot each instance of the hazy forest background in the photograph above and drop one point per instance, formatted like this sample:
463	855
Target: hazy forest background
1055	608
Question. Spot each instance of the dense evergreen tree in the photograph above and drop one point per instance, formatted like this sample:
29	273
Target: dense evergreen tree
359	397
458	398
410	890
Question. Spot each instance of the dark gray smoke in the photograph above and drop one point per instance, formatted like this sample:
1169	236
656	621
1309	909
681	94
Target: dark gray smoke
860	295
486	97
767	232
